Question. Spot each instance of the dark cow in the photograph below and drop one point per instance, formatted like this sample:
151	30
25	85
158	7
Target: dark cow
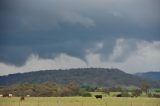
6	95
98	96
119	95
22	98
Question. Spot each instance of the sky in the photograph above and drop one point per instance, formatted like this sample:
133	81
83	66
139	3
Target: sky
62	34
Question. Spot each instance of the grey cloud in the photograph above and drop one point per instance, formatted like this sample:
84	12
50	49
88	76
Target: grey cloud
49	27
46	14
41	15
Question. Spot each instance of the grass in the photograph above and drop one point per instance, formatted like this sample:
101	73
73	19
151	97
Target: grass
79	101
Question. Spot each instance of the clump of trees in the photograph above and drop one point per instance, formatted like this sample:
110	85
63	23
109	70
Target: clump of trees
49	89
45	89
145	87
136	92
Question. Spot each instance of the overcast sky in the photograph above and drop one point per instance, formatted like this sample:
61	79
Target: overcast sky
61	34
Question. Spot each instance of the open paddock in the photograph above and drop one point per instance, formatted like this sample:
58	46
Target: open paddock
79	101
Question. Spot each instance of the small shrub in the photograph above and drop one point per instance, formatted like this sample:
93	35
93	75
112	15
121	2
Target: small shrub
156	95
86	94
157	90
125	94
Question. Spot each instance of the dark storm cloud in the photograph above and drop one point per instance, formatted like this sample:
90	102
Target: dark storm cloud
50	27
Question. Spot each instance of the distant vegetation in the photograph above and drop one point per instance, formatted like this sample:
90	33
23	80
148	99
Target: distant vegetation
150	75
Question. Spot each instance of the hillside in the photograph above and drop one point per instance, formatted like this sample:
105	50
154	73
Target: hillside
150	75
96	76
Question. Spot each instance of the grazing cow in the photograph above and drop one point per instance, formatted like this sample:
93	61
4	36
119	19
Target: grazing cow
119	95
22	98
28	95
5	95
98	96
10	95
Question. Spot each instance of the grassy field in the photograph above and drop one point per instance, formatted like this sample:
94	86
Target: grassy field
79	101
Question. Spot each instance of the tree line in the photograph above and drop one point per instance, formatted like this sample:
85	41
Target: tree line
49	89
44	89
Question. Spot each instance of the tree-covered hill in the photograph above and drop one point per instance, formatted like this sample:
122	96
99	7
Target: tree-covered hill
94	76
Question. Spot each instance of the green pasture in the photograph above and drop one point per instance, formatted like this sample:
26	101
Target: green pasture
79	101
